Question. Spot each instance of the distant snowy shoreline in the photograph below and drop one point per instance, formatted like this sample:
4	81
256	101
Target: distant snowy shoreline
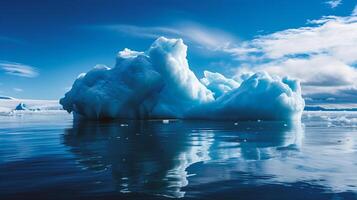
11	105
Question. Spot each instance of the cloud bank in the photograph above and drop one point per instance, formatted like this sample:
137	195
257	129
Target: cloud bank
158	83
18	69
322	55
334	3
195	34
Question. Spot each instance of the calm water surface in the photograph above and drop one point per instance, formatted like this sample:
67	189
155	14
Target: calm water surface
48	156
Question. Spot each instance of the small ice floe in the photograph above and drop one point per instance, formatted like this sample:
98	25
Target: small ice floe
235	123
341	121
165	121
124	124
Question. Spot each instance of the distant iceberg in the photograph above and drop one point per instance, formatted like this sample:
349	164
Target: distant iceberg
21	106
11	106
158	83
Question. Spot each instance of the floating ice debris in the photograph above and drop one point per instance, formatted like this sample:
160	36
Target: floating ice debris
342	121
165	121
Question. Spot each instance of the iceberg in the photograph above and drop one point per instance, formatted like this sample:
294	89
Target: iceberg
260	97
158	84
21	106
218	84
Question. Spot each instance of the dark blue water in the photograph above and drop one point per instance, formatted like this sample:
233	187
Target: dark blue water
47	156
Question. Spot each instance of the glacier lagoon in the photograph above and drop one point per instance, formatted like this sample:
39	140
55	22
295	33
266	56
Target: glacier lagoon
50	156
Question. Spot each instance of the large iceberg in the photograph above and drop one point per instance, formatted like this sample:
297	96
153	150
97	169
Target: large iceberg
158	83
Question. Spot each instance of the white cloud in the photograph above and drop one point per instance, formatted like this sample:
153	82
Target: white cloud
18	69
18	89
207	37
319	70
140	31
334	3
193	33
323	55
332	35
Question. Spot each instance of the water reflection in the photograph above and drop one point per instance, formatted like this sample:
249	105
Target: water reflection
154	157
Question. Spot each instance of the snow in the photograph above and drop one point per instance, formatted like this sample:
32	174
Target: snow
260	97
158	83
218	84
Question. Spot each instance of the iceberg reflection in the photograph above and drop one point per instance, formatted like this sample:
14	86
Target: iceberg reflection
154	157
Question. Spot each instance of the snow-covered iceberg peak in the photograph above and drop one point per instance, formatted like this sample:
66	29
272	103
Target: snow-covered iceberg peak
158	83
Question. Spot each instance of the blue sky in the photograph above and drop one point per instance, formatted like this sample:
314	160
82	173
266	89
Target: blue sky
44	45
